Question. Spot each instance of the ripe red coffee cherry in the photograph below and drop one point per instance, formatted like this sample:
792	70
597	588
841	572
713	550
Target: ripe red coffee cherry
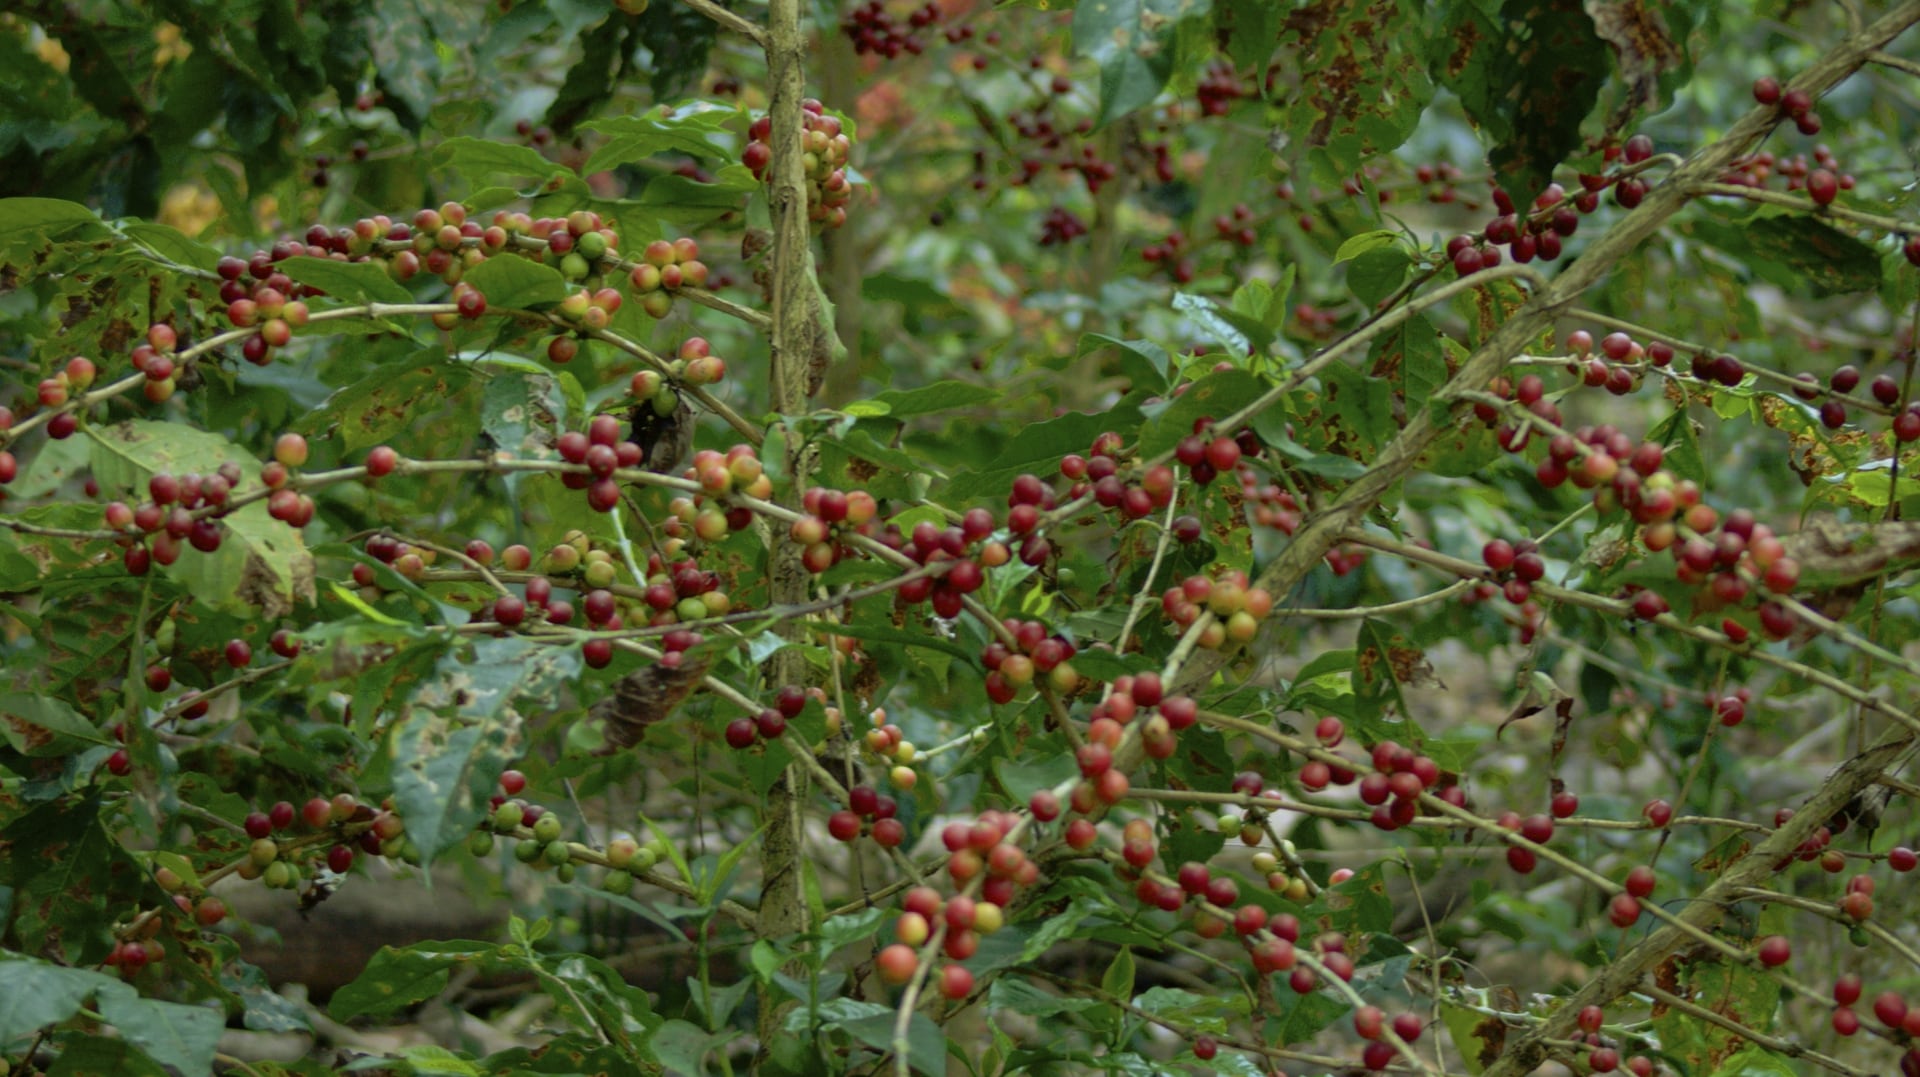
741	733
1846	989
1845	1021
1205	1048
258	825
1774	951
1766	90
896	963
1591	1018
1658	812
1564	805
1902	859
1640	881
381	460
1623	910
1890	1008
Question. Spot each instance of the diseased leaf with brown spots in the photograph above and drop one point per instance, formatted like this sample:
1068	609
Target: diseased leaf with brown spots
1527	78
1642	47
643	697
67	872
1361	87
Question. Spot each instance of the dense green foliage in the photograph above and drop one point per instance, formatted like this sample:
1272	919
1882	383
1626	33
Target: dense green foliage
1099	541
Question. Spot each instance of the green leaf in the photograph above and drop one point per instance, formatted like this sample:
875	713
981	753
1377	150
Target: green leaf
1477	1037
941	396
1682	456
1132	42
522	412
1527	77
682	1047
38	725
1038	448
27	222
397	978
478	158
1145	363
463	728
92	1056
512	282
1117	981
1792	250
1362	90
1238	334
1355	246
1216	395
697	129
168	243
183	1037
261	564
1015	995
40	993
926	1046
1754	1060
386	401
1375	274
349	282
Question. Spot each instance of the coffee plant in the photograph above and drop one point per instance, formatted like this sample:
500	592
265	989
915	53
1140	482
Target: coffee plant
1229	536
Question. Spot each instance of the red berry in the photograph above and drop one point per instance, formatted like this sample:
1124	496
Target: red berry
1640	881
1766	90
1623	910
339	859
1775	950
741	733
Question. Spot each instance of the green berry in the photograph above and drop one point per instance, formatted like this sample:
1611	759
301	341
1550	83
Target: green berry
547	828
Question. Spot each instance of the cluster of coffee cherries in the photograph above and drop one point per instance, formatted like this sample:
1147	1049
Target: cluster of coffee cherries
1440	181
885	744
1138	697
873	30
1220	86
824	151
1047	142
591	310
603	451
1116	479
969	548
707	515
539	841
871	813
1552	219
1172	253
665	268
828	514
186	509
1060	226
964	919
1392	788
1821	177
1603	1052
1796	105
771	723
1237	607
1035	653
1890	1008
1885	390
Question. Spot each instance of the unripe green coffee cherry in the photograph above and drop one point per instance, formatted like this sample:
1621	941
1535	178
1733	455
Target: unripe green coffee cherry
547	828
557	853
527	850
564	872
279	875
507	816
617	882
480	843
263	851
